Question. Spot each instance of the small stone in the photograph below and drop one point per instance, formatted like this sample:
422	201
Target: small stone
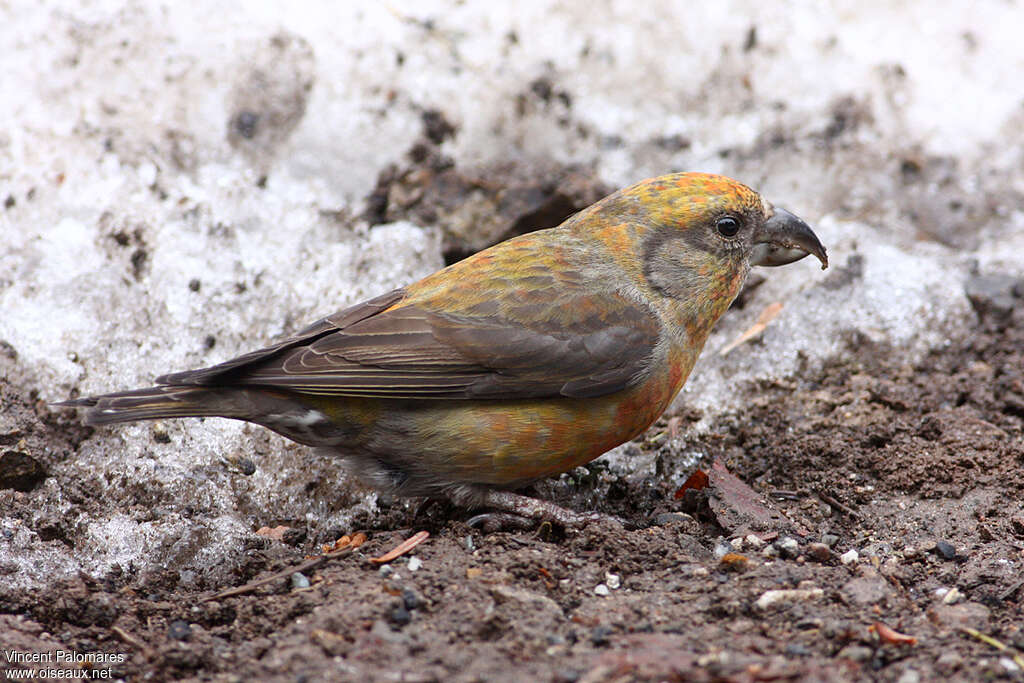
400	616
952	596
856	653
386	570
754	541
673	518
179	630
701	572
1009	666
830	540
411	600
992	294
599	636
909	676
788	547
819	552
785	597
947	550
601	589
415	563
849	557
722	548
299	581
948	662
613	581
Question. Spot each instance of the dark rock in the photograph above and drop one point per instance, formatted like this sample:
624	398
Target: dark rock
599	636
411	600
400	616
20	471
819	552
179	630
993	295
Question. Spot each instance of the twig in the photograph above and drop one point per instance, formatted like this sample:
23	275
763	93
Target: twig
989	640
132	640
305	566
825	498
402	548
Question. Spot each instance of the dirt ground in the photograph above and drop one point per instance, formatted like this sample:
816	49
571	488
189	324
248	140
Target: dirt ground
880	495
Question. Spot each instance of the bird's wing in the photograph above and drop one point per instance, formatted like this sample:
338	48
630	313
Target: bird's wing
574	344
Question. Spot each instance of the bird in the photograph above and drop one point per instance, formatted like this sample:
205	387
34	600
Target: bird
518	363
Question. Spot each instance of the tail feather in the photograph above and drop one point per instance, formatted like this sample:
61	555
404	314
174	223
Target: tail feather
155	403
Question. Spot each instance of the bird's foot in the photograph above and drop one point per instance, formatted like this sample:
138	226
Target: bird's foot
518	512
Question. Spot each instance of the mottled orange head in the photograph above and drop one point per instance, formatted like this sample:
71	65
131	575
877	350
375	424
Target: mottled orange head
692	237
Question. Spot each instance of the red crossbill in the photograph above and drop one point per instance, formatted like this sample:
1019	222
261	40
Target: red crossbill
523	361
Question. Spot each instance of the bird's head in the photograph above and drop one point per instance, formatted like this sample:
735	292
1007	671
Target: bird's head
697	234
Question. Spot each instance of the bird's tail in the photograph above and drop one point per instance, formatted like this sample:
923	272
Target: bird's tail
157	403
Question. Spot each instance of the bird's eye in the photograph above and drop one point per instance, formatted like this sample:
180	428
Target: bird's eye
727	226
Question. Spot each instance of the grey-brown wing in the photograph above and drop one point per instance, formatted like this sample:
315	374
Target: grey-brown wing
225	371
581	346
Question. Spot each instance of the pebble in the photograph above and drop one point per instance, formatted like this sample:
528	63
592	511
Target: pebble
829	539
673	518
400	616
947	550
856	653
599	636
754	541
993	294
613	581
415	563
179	630
299	580
849	557
909	676
819	552
952	596
789	596
722	548
386	570
949	662
1009	666
601	589
410	599
788	546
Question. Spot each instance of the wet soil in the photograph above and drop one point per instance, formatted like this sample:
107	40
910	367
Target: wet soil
893	496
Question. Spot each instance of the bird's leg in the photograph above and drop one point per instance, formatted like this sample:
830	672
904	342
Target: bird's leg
515	509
